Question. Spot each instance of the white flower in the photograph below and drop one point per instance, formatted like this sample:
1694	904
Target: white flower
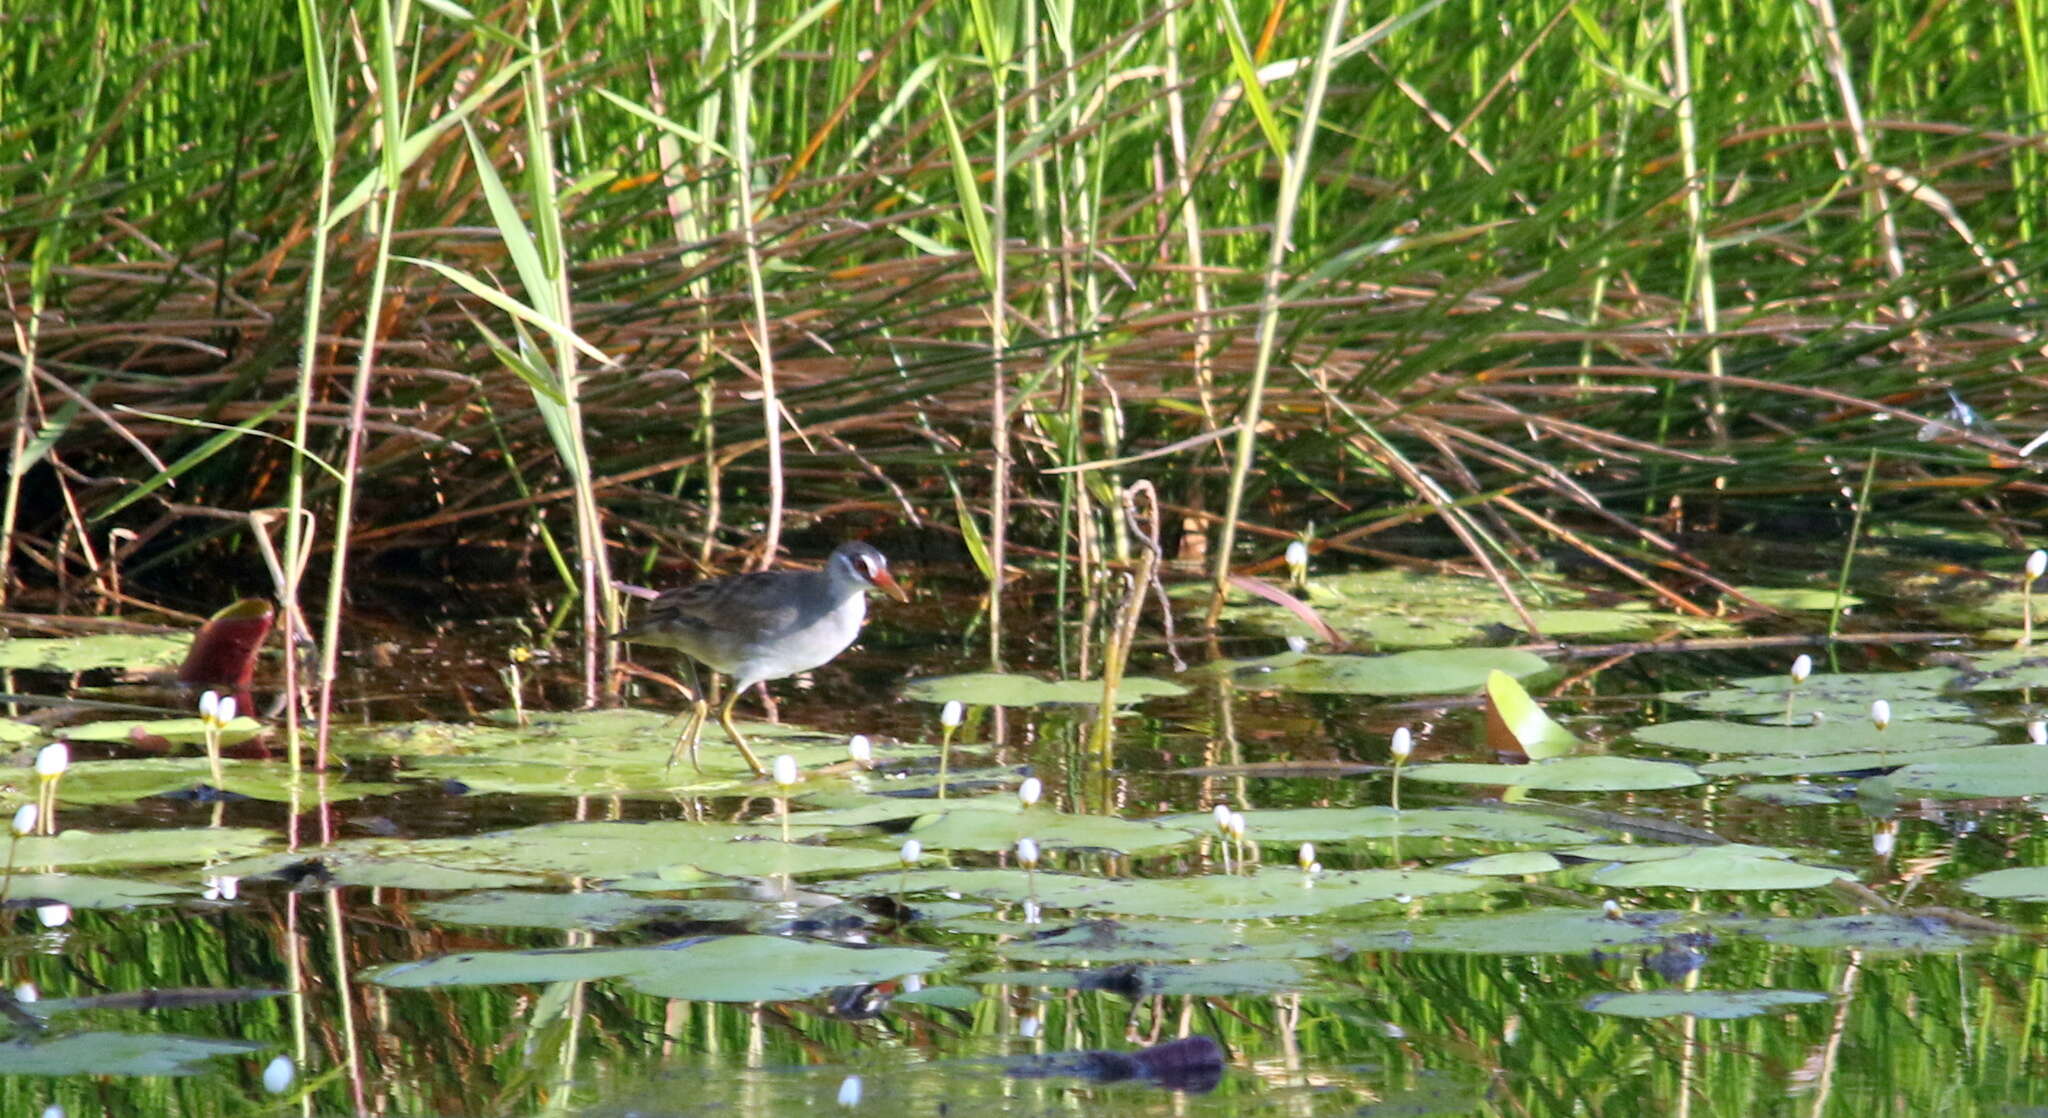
849	1091
861	750
227	709
1237	826
2037	732
209	706
1297	644
785	770
1027	853
53	915
952	714
26	992
1880	714
223	888
1883	841
1403	745
1306	856
911	852
2037	564
1222	814
1029	791
278	1075
52	760
1801	668
25	818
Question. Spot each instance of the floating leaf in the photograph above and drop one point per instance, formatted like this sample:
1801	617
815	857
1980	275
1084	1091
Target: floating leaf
771	968
1001	689
1835	736
1271	892
90	892
1991	770
1515	723
1719	867
1812	599
1874	932
1239	976
596	911
1432	672
1794	795
132	779
1842	696
165	847
1513	864
104	1053
1716	1004
1561	931
128	651
1597	773
2020	883
2010	669
1331	824
1133	941
1000	830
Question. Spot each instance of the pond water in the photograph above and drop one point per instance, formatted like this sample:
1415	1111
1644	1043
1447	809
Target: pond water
1707	906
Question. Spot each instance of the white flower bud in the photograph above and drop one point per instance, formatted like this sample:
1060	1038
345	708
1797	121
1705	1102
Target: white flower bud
25	818
1880	714
785	770
209	705
1029	792
278	1075
1237	826
862	751
849	1091
52	760
1027	853
2037	564
911	852
1306	856
1802	667
227	709
952	714
53	915
1222	814
1884	841
1403	745
2037	732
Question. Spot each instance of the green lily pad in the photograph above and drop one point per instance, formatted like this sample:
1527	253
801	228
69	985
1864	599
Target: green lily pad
1793	795
1719	867
1715	1004
1597	773
1840	696
598	911
108	1053
1557	931
1873	932
1837	736
1238	976
131	779
1003	689
14	732
1268	893
708	968
1137	941
183	731
91	892
1989	771
2011	669
1331	824
1512	711
128	651
1809	599
2020	883
1514	864
165	847
1428	672
1000	830
370	869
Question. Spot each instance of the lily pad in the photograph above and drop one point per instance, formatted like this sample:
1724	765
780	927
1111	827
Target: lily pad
1331	824
1268	893
1838	696
596	911
80	891
772	968
1837	736
1238	976
1794	795
1991	770
164	847
1874	932
1003	689
128	780
1597	773
2010	669
1513	864
374	870
1560	931
109	1053
1811	599
1134	941
1515	722
2020	883
1000	830
1715	1004
1719	867
129	651
1428	672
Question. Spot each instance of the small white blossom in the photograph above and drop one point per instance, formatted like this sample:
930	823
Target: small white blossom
1027	853
952	714
1880	714
785	770
1029	792
1801	668
25	818
911	852
861	750
278	1075
53	915
849	1091
2037	564
1403	745
52	760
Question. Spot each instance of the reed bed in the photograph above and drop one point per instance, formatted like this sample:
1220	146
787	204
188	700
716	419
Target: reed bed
595	283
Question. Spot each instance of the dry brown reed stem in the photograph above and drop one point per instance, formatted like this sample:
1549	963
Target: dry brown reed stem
1116	656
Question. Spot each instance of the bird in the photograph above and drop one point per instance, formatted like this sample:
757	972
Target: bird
763	625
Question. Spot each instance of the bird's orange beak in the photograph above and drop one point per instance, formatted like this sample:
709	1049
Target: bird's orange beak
888	582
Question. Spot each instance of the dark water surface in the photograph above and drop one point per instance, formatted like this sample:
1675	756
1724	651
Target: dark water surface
1920	997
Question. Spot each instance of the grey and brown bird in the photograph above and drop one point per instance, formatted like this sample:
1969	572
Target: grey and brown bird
763	625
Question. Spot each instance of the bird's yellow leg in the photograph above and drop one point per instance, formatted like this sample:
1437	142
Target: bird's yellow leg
692	731
733	732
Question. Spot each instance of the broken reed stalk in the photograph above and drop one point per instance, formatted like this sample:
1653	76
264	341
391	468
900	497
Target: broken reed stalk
1117	654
